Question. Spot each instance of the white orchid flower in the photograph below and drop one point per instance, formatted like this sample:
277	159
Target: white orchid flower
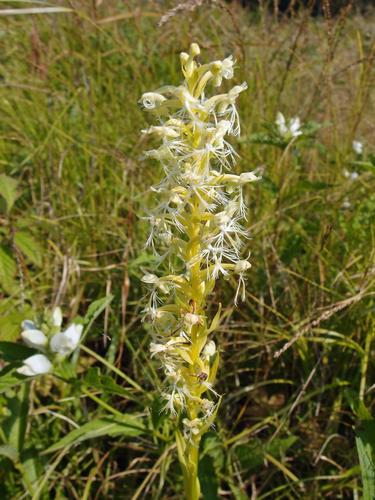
151	100
66	342
37	364
209	350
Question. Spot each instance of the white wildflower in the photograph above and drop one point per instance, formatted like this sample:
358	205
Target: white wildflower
66	342
151	100
209	350
350	175
57	316
289	129
34	338
357	147
191	427
38	364
191	319
240	268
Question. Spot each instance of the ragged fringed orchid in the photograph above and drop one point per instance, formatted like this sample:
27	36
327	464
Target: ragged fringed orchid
197	236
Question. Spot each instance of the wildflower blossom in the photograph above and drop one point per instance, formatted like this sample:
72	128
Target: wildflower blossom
66	342
38	364
357	147
196	234
52	342
288	129
350	175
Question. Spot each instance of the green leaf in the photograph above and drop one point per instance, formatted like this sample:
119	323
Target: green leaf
10	325
9	378
158	415
208	479
268	139
215	322
213	446
29	247
365	441
97	307
10	351
357	406
210	465
94	310
93	378
33	467
9	452
8	190
251	456
8	269
128	425
14	426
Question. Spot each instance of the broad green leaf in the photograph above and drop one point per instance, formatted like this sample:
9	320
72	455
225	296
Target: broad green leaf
32	467
128	425
8	269
357	406
96	308
9	452
93	378
14	426
8	190
10	351
10	326
212	446
29	247
210	465
365	441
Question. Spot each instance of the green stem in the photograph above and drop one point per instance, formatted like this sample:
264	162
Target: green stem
189	462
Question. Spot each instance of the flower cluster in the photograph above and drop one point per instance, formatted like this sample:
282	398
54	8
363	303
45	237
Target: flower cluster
196	230
54	343
288	129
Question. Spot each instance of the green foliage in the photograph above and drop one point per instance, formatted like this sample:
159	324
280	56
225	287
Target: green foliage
8	190
365	441
10	351
73	191
8	269
252	455
127	425
28	245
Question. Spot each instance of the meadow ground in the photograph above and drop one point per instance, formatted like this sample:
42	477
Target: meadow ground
70	137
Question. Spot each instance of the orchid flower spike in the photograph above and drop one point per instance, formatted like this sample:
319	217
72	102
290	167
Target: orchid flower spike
197	236
196	232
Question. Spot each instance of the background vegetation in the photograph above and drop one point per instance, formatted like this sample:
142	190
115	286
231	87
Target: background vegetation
70	138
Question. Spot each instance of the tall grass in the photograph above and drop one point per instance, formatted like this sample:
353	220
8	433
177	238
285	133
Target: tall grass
70	135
